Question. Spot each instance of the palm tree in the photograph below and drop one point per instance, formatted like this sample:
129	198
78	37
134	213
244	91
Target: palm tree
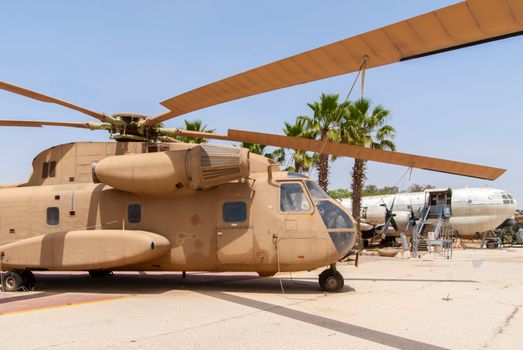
256	148
195	125
324	125
253	147
364	127
277	155
302	160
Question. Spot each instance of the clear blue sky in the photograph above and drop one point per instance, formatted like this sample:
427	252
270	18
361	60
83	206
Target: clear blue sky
127	56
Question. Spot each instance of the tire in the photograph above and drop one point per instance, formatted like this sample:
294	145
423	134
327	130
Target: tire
28	279
100	273
492	244
331	281
321	280
12	282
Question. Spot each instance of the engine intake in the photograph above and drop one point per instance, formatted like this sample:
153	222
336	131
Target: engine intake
178	172
212	165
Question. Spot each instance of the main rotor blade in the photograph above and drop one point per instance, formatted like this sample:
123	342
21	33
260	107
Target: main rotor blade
377	155
449	28
41	97
173	132
39	124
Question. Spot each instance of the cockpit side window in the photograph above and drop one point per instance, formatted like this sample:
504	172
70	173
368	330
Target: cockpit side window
507	198
293	198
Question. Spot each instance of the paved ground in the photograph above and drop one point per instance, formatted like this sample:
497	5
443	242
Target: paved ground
473	301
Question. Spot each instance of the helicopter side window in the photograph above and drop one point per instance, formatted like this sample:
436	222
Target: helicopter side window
234	212
53	216
52	169
134	213
48	169
45	170
293	198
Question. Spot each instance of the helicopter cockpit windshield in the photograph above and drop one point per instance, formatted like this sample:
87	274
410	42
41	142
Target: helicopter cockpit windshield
337	221
333	216
316	191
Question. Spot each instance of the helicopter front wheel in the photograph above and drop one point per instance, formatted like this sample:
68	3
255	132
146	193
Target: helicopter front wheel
331	280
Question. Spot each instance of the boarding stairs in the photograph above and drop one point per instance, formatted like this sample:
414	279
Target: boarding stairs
418	242
439	239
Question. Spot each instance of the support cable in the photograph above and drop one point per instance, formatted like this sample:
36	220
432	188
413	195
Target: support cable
361	70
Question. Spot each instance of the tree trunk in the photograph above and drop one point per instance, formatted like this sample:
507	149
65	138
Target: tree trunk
297	165
323	166
358	180
323	171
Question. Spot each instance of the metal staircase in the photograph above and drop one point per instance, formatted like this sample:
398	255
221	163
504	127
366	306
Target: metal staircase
417	239
440	239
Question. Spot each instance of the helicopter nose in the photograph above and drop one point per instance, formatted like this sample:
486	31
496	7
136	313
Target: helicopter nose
343	241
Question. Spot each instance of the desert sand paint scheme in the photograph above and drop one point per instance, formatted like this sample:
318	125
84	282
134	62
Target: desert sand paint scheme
253	219
473	210
145	205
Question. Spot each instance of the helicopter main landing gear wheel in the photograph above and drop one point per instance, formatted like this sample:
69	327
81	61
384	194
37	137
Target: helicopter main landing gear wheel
11	282
28	279
331	280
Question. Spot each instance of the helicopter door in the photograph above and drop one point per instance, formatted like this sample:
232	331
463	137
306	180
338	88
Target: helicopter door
298	244
234	237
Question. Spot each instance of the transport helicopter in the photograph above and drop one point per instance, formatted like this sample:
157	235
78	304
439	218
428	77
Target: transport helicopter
148	203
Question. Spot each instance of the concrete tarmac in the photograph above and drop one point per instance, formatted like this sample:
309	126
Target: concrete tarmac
472	301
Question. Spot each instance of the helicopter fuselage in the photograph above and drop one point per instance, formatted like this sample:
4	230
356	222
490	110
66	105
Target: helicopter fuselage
268	222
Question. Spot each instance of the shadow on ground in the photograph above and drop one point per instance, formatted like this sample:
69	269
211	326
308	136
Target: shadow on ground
157	283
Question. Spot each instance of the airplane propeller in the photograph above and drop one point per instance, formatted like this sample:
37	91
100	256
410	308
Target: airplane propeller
389	217
412	218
